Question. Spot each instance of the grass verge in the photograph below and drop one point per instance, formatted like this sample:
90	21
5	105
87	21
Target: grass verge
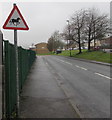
93	55
51	53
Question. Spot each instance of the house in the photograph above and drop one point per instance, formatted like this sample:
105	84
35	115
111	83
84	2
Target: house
41	48
97	43
107	41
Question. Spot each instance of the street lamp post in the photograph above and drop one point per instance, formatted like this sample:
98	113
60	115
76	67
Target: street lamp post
69	35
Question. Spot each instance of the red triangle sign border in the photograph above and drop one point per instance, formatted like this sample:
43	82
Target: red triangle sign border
15	28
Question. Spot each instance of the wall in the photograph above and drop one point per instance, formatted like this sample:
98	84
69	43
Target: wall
41	48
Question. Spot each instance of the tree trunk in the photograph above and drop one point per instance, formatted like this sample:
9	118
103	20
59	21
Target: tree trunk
88	45
80	48
94	37
79	42
89	41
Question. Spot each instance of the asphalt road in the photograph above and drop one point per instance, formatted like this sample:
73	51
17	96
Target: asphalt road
79	87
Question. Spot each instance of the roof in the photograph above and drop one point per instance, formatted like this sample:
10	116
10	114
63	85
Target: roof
107	38
40	43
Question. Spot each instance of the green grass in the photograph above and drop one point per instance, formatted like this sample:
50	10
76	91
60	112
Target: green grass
73	52
94	55
46	54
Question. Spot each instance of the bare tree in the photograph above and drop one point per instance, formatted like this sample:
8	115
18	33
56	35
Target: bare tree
96	26
78	21
75	29
50	44
54	42
86	26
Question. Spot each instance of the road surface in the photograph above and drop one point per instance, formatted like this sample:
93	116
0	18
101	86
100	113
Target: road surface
69	87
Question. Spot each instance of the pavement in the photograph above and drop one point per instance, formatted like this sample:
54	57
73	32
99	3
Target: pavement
62	87
42	96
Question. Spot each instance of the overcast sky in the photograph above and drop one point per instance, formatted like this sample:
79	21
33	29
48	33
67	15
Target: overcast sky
43	18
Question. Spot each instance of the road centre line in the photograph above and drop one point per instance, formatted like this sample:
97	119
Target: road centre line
65	62
46	63
80	67
86	69
68	63
103	76
62	60
71	64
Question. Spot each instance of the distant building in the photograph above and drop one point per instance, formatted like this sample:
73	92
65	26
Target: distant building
41	48
107	41
97	43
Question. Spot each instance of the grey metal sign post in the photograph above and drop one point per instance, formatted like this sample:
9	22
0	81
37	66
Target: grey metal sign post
17	72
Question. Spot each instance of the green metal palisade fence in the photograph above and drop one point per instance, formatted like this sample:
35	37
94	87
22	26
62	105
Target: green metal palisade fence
25	59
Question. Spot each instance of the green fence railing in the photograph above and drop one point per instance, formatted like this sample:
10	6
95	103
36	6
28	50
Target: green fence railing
25	61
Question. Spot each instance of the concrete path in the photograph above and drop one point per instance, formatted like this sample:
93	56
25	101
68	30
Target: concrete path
42	96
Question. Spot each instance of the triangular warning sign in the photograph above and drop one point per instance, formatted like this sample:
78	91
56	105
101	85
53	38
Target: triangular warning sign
15	20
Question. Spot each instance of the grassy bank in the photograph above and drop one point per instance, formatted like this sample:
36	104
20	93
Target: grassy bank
51	53
94	55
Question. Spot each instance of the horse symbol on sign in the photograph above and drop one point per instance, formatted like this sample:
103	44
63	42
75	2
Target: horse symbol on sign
15	21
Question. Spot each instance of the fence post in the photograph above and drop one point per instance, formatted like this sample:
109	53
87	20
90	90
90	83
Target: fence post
1	40
110	58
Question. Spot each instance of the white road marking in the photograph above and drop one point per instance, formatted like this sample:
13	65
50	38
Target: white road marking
103	76
65	62
85	69
71	64
68	63
80	67
62	61
46	63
